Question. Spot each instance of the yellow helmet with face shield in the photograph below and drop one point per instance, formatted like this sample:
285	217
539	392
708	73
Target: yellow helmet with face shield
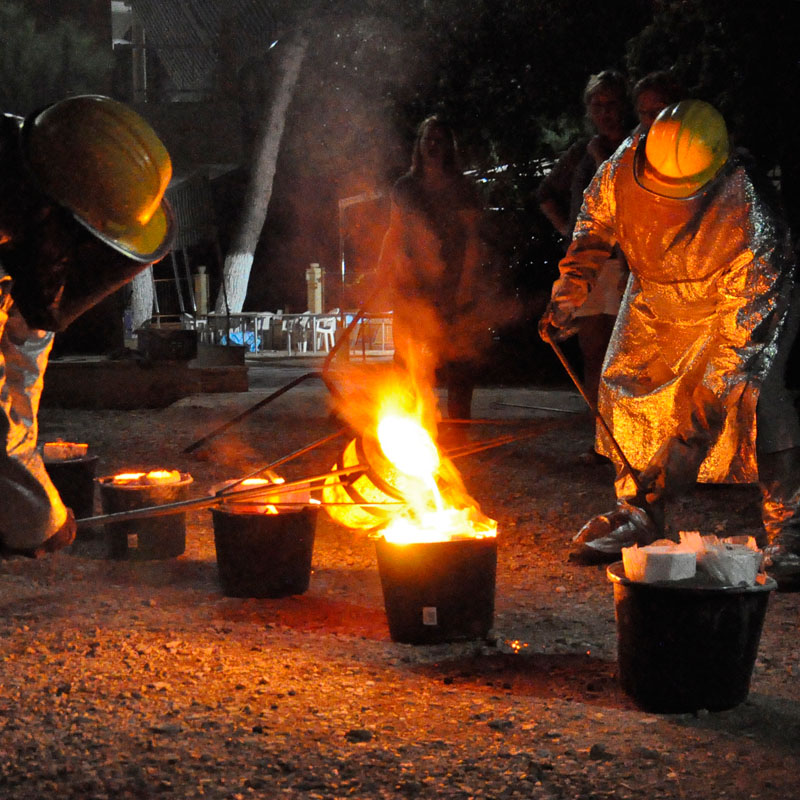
684	149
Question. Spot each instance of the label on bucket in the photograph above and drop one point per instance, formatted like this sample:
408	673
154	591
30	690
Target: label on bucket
133	541
429	615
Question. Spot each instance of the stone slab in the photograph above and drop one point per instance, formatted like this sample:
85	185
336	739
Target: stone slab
130	384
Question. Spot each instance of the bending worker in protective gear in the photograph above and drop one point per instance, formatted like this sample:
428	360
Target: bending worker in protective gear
82	211
693	380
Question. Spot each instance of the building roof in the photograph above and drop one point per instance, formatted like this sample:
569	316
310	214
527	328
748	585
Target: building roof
191	37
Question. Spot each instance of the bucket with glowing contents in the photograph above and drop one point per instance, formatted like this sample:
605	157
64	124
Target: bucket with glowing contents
437	553
438	591
264	555
263	548
145	539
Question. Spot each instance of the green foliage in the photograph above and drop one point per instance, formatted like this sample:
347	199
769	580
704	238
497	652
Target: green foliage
742	59
40	66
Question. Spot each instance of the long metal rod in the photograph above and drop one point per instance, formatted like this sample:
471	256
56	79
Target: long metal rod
498	404
596	412
286	459
247	412
251	493
478	447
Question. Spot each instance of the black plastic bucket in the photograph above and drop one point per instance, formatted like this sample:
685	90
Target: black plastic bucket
144	539
264	555
74	479
438	591
681	648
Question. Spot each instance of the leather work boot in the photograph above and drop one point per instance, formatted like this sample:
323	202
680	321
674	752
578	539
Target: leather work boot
779	479
783	565
601	539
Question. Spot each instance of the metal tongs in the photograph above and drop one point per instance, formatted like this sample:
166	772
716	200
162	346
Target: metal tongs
595	411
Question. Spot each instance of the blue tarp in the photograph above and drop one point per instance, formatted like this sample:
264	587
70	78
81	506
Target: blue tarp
250	341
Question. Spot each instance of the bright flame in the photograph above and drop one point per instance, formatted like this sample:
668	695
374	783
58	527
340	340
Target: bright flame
409	491
450	524
408	446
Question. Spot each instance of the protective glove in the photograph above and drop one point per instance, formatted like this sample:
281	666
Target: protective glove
602	538
558	322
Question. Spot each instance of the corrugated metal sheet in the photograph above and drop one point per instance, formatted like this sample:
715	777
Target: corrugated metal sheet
193	205
189	36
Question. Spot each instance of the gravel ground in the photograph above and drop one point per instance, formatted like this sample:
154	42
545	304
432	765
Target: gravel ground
125	679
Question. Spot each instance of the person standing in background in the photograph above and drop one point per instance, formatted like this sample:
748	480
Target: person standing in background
432	258
651	94
560	196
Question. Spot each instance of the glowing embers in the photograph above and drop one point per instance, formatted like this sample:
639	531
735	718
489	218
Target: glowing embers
63	451
265	495
154	538
155	477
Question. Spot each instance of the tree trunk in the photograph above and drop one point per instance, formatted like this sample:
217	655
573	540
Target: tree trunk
239	259
142	298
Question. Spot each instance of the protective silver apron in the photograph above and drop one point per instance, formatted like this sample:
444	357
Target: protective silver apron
701	327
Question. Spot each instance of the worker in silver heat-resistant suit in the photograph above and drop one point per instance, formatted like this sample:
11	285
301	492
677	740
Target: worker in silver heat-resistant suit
693	381
82	211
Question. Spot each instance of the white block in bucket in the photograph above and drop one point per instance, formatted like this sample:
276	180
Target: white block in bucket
658	563
731	564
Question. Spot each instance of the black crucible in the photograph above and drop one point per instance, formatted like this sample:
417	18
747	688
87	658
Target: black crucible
682	648
144	539
74	479
264	555
438	591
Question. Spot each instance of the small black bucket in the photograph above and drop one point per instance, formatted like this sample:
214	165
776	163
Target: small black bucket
74	479
144	539
681	648
264	555
438	591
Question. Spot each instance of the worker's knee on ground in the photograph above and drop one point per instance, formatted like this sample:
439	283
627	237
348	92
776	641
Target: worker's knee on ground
29	522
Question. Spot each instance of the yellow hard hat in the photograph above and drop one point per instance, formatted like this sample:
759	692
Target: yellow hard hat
103	162
684	149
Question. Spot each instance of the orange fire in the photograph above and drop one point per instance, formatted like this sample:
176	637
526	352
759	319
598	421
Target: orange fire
155	477
410	491
251	504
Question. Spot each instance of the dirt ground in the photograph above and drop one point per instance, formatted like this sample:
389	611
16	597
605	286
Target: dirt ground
125	679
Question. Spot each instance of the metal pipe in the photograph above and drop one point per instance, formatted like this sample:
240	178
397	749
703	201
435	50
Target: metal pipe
596	412
252	493
498	404
468	450
247	412
290	457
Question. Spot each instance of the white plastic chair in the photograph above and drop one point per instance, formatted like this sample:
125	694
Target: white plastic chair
296	328
325	333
